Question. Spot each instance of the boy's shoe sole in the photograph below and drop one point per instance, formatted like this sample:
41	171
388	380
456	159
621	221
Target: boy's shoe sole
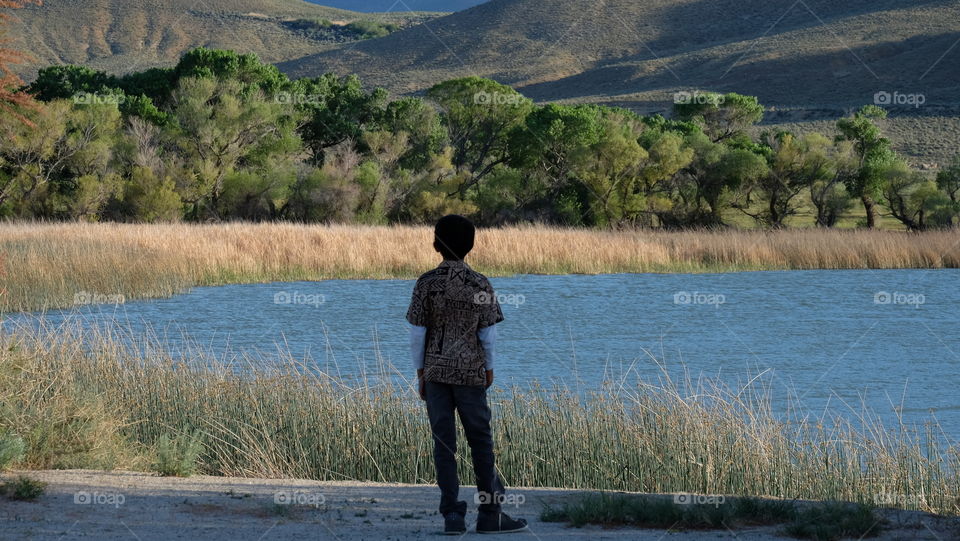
445	532
494	532
523	528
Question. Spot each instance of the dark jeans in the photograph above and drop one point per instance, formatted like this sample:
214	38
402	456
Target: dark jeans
470	403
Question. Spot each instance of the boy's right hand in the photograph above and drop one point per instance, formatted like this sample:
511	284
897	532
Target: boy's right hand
422	385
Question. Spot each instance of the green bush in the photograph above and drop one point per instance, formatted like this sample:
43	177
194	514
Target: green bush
178	457
24	488
12	449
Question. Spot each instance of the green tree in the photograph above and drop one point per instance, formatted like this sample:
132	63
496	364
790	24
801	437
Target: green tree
948	180
245	69
480	115
723	116
548	149
612	168
423	127
913	199
706	187
218	128
874	157
669	154
796	164
337	110
66	82
328	194
148	198
829	194
41	164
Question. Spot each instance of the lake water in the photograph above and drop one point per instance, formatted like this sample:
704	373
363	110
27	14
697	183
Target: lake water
833	340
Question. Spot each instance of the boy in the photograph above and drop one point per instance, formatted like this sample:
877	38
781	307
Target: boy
453	313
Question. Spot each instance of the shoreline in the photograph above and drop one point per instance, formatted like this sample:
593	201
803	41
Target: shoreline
133	505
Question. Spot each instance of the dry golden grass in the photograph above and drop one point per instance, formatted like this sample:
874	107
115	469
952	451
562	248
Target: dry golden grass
45	265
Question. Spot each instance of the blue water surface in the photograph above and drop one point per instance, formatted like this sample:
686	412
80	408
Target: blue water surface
818	341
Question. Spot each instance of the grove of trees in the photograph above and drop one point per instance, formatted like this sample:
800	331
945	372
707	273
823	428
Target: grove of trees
223	136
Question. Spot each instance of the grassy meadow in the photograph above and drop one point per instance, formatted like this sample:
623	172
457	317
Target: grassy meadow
77	399
45	266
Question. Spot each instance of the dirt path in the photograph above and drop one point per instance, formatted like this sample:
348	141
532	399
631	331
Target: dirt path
124	505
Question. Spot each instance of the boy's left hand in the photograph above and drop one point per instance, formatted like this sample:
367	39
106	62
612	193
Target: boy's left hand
422	385
489	378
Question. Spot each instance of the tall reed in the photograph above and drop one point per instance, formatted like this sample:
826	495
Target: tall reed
81	398
48	265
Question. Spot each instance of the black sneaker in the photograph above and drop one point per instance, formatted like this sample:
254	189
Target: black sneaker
454	524
499	523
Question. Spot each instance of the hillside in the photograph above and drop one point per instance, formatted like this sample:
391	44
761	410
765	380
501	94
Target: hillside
376	6
842	52
127	35
814	61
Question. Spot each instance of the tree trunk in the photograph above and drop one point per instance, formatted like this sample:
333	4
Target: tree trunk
870	206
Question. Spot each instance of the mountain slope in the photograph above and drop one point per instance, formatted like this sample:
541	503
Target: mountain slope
376	6
127	35
815	52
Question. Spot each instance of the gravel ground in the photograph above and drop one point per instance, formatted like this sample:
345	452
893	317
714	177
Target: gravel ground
81	504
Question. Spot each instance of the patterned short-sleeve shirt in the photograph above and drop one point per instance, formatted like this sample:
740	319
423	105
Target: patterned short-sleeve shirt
453	302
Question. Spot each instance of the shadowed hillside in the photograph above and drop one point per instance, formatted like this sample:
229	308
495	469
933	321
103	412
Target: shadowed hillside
813	60
128	35
371	6
832	53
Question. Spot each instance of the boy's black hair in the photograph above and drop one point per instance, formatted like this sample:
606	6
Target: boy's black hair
453	236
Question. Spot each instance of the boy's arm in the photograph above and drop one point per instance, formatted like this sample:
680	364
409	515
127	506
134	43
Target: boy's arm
418	319
418	348
488	339
490	315
418	345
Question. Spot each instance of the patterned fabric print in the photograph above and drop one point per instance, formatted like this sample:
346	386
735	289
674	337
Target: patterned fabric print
453	302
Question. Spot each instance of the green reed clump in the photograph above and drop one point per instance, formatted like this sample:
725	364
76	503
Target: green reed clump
100	400
23	489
